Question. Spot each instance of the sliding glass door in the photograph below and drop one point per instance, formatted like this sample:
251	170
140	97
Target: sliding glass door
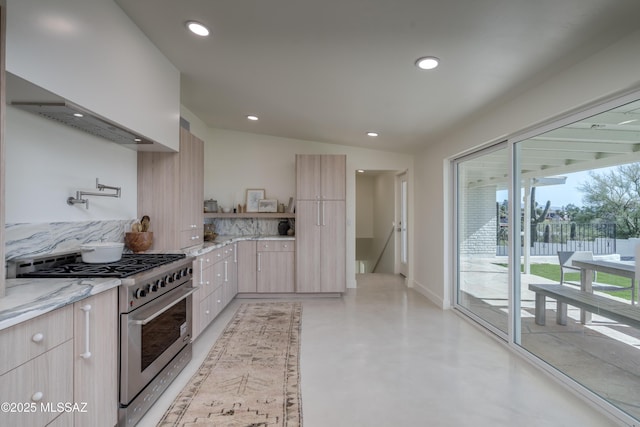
526	211
482	288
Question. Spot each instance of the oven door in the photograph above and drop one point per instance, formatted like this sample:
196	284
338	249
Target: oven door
151	336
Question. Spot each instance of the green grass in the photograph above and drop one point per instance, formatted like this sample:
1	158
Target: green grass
552	272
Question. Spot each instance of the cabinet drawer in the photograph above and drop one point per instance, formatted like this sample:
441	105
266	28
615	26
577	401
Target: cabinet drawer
210	307
41	383
29	339
190	238
276	246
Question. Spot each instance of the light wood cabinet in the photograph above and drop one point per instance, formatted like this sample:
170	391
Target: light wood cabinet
39	385
320	223
36	364
171	192
215	274
247	266
42	365
95	380
275	266
321	177
266	266
191	189
34	337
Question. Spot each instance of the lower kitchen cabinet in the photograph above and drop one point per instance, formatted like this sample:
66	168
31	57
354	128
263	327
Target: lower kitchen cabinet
266	266
216	276
44	368
247	266
275	266
95	380
34	389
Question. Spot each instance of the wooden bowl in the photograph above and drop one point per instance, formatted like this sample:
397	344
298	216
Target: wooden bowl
138	241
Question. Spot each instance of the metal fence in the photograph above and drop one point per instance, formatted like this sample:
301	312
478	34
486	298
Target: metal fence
549	238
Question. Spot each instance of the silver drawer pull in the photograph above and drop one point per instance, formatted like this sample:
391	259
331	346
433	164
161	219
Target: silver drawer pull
37	337
37	396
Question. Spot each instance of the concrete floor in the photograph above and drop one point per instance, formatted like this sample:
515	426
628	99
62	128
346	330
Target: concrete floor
383	355
603	356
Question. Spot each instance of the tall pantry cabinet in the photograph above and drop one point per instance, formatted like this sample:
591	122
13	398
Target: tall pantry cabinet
320	223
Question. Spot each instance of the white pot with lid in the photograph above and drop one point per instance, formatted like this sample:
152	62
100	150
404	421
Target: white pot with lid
101	252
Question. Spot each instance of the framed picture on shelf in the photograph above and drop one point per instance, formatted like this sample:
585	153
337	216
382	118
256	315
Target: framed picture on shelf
268	205
254	195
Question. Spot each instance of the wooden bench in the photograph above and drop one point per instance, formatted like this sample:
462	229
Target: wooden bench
615	310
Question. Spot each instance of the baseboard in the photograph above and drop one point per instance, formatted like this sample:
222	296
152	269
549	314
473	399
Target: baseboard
426	292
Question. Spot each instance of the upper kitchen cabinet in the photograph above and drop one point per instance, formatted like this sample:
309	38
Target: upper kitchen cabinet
90	54
171	192
320	177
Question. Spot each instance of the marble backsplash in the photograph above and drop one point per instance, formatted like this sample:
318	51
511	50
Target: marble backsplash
245	226
29	239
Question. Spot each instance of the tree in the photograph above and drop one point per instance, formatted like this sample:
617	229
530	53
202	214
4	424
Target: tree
614	196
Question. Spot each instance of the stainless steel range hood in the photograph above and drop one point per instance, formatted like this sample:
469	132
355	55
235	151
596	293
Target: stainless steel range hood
29	97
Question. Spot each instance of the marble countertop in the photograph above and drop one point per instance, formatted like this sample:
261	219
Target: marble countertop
29	298
222	241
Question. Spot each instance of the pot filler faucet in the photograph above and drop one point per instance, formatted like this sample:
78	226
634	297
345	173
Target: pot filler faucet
101	187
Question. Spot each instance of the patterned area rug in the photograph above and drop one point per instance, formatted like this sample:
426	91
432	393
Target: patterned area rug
250	377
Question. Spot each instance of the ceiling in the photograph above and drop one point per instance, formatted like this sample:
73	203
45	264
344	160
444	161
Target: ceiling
333	70
607	139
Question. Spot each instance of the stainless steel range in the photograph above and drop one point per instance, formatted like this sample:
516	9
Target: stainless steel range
155	309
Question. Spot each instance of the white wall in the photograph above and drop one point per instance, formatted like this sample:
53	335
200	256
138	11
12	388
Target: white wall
46	162
364	206
384	208
91	53
606	73
235	161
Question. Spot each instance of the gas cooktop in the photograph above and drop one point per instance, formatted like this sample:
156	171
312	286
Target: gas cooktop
129	265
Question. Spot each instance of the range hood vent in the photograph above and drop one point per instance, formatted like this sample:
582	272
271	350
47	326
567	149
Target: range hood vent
67	113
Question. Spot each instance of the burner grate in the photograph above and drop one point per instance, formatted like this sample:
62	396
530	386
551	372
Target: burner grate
129	265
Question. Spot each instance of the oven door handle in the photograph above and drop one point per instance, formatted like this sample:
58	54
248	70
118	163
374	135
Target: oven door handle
185	293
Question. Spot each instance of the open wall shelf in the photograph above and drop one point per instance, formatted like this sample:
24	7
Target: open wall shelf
265	215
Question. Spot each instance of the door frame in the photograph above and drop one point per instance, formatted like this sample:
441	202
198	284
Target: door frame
402	254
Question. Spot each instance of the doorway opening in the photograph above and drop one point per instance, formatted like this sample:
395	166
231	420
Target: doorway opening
381	218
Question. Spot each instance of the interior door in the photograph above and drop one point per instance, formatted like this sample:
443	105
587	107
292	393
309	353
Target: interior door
402	255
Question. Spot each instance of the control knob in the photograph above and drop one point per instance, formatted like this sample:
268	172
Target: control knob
140	293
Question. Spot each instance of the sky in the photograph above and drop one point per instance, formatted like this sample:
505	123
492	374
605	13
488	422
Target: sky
560	195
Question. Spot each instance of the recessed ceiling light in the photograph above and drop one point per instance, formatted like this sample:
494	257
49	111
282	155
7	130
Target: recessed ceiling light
427	62
137	139
372	133
254	118
78	115
197	28
626	122
360	171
